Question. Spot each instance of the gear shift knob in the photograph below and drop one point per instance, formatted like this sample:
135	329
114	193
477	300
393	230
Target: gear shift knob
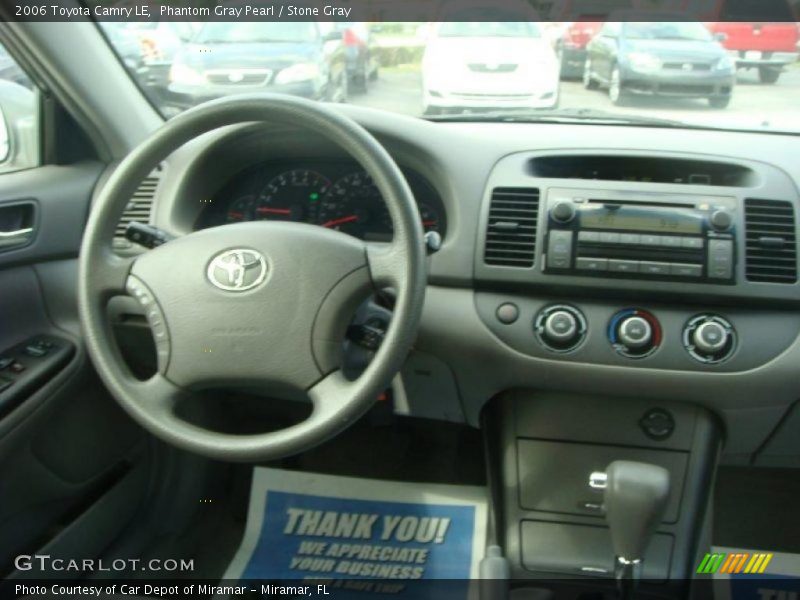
635	498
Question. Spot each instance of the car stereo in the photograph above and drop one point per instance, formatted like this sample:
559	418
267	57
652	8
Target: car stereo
607	233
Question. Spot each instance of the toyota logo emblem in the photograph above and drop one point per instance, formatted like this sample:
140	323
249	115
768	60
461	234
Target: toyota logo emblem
237	270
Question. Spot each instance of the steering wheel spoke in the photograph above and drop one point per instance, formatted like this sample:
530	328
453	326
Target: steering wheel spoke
386	264
111	273
159	394
329	393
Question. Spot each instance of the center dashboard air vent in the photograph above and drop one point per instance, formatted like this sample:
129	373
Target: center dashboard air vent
511	227
771	244
140	206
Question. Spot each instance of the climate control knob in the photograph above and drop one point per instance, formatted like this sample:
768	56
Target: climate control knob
560	328
709	338
634	333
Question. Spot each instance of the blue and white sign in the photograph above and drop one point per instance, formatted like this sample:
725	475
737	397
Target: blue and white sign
305	526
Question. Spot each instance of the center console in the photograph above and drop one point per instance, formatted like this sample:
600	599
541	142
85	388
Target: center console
546	451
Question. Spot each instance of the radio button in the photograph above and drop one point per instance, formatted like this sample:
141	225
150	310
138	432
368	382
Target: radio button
630	238
609	237
592	264
563	211
695	243
588	236
721	220
686	270
623	266
671	241
559	249
654	268
650	240
720	259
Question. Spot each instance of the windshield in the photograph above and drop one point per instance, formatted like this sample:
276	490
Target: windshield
742	75
237	33
486	29
667	31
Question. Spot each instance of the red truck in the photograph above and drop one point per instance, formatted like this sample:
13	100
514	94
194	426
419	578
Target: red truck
768	47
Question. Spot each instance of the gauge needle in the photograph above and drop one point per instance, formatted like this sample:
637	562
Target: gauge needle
277	211
340	221
428	223
236	215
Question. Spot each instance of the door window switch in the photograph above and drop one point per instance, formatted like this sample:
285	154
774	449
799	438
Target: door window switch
5	361
34	350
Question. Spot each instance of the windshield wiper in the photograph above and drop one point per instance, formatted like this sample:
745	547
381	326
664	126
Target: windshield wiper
564	115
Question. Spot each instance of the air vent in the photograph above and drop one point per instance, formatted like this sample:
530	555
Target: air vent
511	230
771	251
141	203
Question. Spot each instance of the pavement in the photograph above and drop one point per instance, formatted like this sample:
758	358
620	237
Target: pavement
753	106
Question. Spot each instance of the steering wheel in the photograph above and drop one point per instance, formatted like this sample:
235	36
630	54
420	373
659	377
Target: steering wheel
262	304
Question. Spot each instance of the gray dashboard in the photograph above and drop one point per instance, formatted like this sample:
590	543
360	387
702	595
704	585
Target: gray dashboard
465	356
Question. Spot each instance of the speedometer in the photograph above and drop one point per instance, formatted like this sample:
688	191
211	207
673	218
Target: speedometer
292	196
355	206
241	209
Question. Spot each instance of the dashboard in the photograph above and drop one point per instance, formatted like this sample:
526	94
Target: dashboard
635	303
338	195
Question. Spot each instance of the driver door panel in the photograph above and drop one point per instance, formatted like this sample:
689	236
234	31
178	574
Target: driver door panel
69	457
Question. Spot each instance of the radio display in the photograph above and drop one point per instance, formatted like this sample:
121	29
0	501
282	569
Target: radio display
636	220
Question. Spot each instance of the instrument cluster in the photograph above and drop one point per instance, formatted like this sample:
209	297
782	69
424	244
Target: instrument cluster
336	195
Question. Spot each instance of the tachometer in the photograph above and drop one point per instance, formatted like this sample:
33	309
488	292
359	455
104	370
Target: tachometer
355	206
292	196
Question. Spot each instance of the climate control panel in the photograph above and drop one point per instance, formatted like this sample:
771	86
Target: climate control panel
656	336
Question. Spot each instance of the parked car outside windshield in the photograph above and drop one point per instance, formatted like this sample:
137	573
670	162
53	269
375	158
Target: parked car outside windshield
666	60
673	72
296	58
477	66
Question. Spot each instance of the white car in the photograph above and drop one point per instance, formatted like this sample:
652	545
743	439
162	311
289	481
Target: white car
484	65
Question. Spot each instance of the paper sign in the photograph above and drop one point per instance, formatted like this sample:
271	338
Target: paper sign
319	527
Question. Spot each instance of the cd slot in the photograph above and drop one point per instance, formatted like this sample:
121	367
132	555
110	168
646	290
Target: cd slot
643	203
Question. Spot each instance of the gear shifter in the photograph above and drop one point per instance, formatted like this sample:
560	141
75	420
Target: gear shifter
635	498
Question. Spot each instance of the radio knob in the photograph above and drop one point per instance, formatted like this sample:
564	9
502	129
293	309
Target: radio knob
721	220
710	337
563	211
560	327
635	333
